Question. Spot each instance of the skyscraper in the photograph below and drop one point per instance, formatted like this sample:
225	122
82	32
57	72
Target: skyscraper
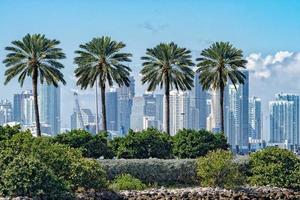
28	114
111	102
159	98
215	116
149	104
200	97
236	114
18	106
255	118
281	122
137	115
179	111
50	107
5	111
125	96
294	139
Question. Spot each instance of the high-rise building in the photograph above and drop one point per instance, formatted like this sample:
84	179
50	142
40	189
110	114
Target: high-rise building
111	102
159	98
137	114
125	96
282	117
28	113
149	104
179	111
5	111
150	122
255	118
50	107
200	97
18	106
294	139
215	117
236	115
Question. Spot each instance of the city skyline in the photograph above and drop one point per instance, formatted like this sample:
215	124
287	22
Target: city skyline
268	60
146	111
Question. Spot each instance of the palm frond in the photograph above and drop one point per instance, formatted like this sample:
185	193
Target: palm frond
34	52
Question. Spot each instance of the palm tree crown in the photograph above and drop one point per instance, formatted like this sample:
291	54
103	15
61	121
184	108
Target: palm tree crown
168	66
218	64
37	57
34	55
101	59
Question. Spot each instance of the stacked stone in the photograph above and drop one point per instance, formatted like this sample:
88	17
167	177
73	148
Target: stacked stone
211	193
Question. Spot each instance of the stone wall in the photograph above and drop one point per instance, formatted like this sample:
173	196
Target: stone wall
211	193
259	193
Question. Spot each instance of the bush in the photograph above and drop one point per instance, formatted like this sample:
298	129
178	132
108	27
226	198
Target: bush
127	182
217	169
275	167
88	174
6	132
154	171
188	143
27	176
148	143
66	164
92	146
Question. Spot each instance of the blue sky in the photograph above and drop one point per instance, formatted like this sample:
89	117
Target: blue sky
262	27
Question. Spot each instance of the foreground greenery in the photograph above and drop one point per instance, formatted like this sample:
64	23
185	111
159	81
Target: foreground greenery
37	167
275	167
127	182
55	168
217	168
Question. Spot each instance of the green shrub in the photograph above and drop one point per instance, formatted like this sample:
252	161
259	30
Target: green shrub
154	171
188	143
66	164
27	176
275	167
92	146
127	182
87	173
6	132
218	169
148	143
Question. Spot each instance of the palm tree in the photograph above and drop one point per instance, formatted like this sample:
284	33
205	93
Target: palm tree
218	64
37	57
101	59
168	66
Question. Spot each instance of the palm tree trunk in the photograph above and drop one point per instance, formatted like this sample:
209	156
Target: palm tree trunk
104	124
36	104
222	109
167	106
97	110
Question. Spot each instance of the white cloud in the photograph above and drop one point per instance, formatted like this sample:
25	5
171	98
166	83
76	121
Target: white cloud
282	62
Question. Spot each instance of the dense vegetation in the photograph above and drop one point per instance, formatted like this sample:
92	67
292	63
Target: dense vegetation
54	168
37	167
188	143
149	143
218	169
275	167
162	172
92	146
